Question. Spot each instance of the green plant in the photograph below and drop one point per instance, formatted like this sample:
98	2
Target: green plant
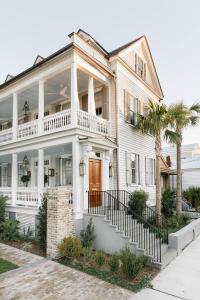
168	200
131	265
87	253
42	223
192	195
137	203
25	179
100	258
26	246
27	234
87	236
114	262
70	248
9	230
3	200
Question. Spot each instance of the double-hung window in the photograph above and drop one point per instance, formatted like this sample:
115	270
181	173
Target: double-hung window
150	171
133	168
132	107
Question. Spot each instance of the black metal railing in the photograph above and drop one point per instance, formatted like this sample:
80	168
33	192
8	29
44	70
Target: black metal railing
145	235
148	214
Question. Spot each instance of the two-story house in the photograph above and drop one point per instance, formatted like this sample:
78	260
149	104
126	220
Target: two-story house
69	120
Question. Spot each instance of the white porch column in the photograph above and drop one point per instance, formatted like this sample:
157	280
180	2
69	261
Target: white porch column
74	94
40	106
15	116
77	199
40	173
14	178
91	99
87	149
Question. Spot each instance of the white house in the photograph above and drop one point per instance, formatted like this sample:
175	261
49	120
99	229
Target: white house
69	120
190	164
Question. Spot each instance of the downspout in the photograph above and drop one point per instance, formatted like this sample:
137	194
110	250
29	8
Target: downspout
117	127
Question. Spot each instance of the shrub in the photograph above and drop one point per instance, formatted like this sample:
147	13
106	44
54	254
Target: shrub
26	246
87	253
70	248
42	222
173	222
9	230
100	258
131	265
3	200
114	262
87	235
27	235
137	202
168	200
192	195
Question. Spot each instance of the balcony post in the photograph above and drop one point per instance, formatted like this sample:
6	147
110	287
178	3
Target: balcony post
74	95
40	174
91	99
15	116
41	107
14	178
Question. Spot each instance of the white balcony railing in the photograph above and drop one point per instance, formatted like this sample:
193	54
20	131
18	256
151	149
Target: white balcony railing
93	123
27	130
6	135
6	191
58	121
27	196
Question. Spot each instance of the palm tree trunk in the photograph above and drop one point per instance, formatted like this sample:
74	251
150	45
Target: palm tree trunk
178	181
158	179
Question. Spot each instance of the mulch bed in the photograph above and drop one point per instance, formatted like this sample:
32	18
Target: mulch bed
35	249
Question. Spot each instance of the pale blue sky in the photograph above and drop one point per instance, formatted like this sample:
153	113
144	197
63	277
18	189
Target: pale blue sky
171	26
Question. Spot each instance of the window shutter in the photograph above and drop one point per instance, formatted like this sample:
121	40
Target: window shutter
128	168
146	171
136	62
144	77
126	105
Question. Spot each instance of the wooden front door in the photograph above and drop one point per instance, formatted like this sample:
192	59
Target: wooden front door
94	182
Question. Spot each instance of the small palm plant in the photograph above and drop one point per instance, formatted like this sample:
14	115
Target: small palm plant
179	116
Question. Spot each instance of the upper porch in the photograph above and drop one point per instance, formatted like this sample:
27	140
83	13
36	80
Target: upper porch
72	97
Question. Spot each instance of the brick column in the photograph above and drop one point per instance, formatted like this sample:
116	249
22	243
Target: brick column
60	221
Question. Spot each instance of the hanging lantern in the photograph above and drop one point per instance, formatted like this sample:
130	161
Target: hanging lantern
26	108
25	161
110	170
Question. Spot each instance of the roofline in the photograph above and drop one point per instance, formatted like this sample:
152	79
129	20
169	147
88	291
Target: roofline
121	48
27	71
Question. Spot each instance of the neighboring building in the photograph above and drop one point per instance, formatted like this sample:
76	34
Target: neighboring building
69	120
166	173
190	164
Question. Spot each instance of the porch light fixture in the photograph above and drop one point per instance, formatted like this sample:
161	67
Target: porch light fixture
110	170
82	168
26	108
51	172
25	161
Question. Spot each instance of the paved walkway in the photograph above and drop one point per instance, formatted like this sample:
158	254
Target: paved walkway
41	279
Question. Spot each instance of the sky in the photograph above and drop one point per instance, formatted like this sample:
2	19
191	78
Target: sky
172	27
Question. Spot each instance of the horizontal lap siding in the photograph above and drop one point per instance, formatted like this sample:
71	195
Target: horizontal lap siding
131	140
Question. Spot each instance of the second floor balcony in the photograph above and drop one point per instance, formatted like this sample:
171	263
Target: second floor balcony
70	99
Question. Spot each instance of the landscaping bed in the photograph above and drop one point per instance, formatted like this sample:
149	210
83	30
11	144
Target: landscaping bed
32	246
140	281
6	266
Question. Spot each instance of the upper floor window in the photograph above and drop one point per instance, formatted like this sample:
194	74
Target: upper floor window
132	107
150	171
140	67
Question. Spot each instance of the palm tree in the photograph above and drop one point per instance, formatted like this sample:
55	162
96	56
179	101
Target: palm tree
179	116
154	123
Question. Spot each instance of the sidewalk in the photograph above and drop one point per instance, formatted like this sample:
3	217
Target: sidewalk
180	280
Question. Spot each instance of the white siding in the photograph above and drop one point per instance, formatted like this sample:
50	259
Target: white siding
190	178
26	221
132	140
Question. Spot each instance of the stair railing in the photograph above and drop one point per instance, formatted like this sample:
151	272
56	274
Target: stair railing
145	235
148	214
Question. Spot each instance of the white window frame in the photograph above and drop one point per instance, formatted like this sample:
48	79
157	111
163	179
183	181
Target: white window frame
149	171
136	158
140	71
